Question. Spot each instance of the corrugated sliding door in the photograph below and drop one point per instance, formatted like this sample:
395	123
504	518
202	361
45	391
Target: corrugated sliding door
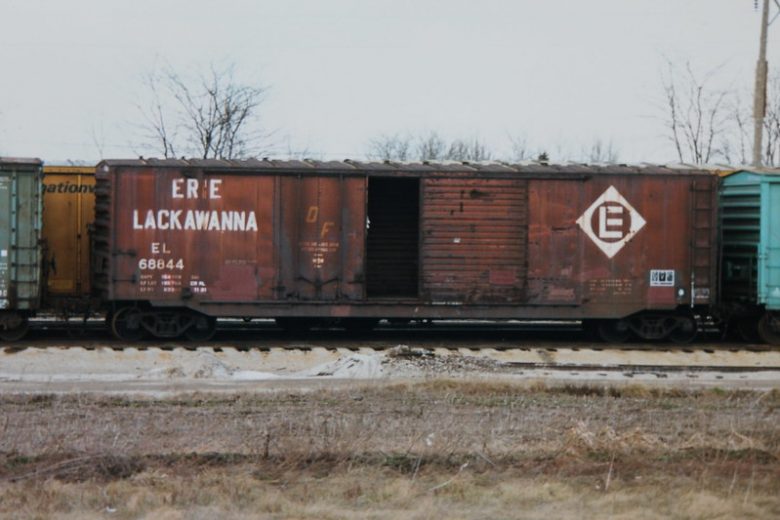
474	240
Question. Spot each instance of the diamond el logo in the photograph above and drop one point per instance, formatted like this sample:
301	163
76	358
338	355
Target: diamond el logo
614	219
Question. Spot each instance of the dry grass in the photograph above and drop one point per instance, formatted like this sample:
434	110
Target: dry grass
434	449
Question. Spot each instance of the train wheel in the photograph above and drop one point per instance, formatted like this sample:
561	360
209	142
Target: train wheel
614	331
203	328
685	331
769	328
126	324
16	331
747	327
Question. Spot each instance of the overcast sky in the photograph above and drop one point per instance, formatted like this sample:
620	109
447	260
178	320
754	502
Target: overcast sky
559	74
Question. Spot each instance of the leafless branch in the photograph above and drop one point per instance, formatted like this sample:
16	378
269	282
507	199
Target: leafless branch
696	114
213	116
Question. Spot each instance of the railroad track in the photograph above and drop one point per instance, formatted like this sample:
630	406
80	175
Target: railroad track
264	334
105	366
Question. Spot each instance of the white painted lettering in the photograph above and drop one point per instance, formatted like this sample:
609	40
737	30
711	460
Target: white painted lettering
201	219
227	220
604	222
239	220
174	219
162	222
192	188
189	221
251	222
214	189
176	189
195	220
214	221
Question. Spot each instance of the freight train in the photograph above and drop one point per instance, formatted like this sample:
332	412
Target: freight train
166	247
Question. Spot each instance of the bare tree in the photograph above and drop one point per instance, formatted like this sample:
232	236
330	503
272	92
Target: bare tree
159	131
519	149
394	147
601	152
211	116
431	147
696	114
468	150
737	141
771	142
735	145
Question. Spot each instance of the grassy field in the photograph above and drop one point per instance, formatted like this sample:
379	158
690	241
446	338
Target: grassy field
436	449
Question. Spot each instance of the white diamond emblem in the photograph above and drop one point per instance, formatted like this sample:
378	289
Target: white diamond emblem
611	222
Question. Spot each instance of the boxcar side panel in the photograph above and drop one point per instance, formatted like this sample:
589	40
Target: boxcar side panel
20	235
69	199
740	226
474	240
613	245
321	236
283	239
769	256
185	237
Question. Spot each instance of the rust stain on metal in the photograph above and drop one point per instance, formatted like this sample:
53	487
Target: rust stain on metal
400	240
69	199
474	240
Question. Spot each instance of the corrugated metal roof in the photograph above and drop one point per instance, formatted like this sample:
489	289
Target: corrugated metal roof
352	166
21	160
757	171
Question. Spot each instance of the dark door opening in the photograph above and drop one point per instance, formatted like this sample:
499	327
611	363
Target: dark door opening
392	242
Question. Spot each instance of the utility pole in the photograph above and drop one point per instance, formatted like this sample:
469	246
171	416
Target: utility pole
759	98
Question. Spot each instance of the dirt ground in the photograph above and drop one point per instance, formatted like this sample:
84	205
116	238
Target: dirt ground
432	448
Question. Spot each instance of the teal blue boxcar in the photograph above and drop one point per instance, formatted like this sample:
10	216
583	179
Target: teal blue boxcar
750	238
20	243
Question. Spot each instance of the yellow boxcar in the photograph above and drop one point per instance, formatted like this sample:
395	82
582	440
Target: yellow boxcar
69	211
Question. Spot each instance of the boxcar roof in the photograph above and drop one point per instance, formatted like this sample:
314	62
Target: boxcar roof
758	171
20	160
378	167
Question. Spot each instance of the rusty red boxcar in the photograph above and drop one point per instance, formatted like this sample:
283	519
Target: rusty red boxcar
179	243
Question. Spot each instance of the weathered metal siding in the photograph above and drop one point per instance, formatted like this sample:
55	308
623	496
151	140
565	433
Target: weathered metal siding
750	223
769	254
525	241
20	234
612	245
474	234
321	237
69	199
170	235
555	245
740	224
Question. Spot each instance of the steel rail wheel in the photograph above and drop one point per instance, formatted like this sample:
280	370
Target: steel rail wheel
769	327
614	331
747	328
203	328
16	332
126	324
685	331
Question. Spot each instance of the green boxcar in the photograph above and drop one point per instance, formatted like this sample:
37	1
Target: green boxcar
20	244
750	227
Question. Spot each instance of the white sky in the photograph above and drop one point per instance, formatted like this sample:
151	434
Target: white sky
559	74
